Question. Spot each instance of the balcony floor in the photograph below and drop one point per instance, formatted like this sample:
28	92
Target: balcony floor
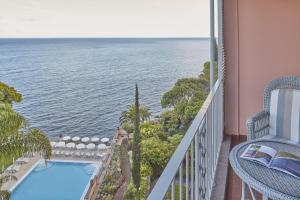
234	183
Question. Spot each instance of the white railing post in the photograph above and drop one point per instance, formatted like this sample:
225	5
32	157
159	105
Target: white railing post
192	172
173	190
197	166
212	44
187	175
180	182
220	40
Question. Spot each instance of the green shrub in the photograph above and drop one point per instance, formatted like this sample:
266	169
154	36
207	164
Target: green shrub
109	188
108	197
131	192
168	195
108	178
128	127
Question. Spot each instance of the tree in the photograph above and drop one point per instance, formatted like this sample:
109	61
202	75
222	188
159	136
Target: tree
9	94
15	136
136	152
205	75
185	99
170	122
128	116
151	129
156	153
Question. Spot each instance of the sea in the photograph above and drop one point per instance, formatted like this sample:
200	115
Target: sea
79	87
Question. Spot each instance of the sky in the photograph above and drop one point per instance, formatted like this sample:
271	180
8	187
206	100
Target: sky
104	18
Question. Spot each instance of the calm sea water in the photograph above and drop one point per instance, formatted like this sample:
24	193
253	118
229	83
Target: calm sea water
80	86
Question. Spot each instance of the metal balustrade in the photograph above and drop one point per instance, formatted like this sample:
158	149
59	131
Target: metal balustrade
190	172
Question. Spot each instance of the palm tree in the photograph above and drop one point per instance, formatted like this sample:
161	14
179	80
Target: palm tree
128	116
15	136
145	113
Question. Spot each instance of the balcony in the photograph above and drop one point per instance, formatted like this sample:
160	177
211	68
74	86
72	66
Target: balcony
199	166
261	40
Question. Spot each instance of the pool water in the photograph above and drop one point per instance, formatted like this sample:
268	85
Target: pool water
55	181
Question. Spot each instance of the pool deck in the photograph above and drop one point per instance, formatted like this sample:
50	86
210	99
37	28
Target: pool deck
25	168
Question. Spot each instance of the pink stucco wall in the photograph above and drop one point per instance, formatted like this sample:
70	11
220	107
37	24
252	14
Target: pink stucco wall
262	42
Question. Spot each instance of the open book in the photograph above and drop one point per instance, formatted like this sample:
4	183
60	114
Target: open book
279	160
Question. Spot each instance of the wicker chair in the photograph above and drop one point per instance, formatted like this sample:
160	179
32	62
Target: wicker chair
259	125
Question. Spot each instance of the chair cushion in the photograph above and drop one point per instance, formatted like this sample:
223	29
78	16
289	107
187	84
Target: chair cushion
285	114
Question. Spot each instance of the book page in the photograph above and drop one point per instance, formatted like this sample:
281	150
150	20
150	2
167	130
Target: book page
261	154
287	163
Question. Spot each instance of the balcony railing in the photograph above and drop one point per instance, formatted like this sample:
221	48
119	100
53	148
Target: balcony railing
190	172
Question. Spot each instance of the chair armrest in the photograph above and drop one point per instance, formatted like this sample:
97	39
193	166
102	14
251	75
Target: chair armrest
258	125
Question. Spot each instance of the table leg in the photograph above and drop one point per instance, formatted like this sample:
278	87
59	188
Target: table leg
252	194
244	191
265	197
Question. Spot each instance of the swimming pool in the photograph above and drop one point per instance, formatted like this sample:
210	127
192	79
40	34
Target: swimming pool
55	181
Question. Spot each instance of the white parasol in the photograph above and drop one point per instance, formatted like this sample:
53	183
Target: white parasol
104	140
91	146
80	146
60	144
66	138
102	146
75	139
85	139
95	139
71	145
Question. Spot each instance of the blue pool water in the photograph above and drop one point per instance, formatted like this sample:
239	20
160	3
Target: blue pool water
55	181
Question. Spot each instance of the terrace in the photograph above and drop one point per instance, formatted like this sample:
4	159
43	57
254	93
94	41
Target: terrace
257	42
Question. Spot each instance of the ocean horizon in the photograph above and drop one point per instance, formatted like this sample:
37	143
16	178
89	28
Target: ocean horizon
79	86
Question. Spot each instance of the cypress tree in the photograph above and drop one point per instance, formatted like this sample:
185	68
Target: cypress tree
136	152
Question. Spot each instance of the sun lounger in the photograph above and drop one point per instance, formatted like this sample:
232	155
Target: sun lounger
66	153
22	161
87	154
77	154
17	168
83	154
5	178
13	169
99	155
29	155
10	168
92	154
60	153
56	153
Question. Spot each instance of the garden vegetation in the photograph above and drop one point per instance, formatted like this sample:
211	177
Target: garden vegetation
16	138
160	136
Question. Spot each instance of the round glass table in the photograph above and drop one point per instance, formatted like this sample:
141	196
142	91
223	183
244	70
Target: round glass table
271	183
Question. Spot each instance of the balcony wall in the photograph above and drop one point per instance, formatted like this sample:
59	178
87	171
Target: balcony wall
262	41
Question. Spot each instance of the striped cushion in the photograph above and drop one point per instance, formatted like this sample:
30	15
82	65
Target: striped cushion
285	114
